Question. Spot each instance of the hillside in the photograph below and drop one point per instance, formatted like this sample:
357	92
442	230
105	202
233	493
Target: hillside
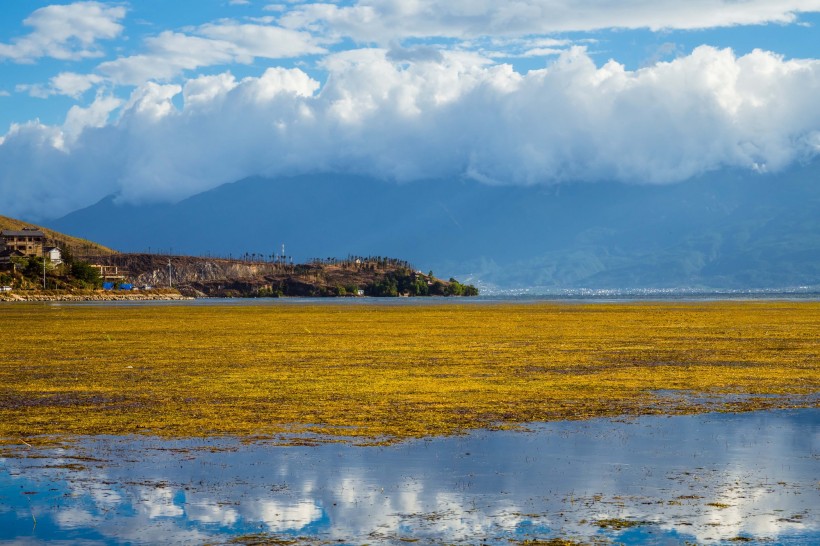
76	245
220	277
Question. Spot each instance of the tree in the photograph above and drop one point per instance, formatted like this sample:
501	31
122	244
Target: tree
386	287
33	269
454	288
85	274
420	287
67	254
470	290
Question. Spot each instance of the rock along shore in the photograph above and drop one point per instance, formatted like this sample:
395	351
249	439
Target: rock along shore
92	295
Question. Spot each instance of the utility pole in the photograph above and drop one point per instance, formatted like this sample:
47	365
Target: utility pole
44	267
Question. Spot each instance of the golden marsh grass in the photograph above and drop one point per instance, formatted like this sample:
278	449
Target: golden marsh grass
375	372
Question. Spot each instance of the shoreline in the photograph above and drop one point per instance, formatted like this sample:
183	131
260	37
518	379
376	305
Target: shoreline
92	295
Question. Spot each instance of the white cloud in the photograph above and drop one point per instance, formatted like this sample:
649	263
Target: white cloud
265	41
211	512
72	84
159	502
456	116
169	54
283	517
79	119
66	32
37	90
76	518
381	21
69	84
152	103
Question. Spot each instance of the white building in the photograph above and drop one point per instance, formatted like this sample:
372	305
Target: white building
54	255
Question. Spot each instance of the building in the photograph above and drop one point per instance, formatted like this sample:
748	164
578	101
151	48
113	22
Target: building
54	255
28	241
110	272
6	258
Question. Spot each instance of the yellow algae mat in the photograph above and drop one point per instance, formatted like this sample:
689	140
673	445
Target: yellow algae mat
387	372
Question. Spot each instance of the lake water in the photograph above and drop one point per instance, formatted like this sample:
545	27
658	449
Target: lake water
708	478
500	297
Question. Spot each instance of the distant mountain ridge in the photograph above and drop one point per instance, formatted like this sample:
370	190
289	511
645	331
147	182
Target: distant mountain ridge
722	230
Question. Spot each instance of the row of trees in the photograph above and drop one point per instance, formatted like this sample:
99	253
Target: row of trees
395	283
407	283
363	262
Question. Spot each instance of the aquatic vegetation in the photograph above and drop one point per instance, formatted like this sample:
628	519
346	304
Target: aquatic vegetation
620	524
376	373
264	539
550	542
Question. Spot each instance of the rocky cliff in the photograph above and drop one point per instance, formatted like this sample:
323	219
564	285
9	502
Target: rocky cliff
200	276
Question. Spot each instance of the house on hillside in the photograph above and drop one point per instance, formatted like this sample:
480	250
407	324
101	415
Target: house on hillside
6	258
29	241
54	255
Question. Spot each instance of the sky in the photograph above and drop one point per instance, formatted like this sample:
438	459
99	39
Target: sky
154	101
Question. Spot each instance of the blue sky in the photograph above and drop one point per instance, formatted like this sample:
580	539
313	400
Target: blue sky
157	100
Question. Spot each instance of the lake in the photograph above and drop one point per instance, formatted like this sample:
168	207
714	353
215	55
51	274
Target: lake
709	478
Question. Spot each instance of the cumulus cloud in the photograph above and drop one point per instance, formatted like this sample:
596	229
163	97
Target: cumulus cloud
79	119
384	114
382	21
66	32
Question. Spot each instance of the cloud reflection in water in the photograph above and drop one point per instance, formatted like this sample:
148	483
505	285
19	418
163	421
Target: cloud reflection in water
705	478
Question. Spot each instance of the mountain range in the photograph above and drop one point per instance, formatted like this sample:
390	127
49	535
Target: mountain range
722	230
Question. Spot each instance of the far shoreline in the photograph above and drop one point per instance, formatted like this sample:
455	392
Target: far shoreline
91	295
569	297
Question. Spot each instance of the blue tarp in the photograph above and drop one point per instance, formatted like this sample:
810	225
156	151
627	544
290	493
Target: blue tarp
126	286
108	286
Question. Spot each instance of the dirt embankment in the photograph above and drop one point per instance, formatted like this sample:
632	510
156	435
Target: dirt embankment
166	271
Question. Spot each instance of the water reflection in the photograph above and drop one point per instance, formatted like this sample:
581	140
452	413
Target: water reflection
707	478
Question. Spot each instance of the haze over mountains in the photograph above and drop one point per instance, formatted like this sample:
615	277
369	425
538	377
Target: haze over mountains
726	230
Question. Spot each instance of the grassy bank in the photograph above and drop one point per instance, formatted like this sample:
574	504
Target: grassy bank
390	372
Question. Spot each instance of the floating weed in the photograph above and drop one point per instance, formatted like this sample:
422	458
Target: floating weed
794	518
65	466
619	524
264	539
376	375
719	505
550	542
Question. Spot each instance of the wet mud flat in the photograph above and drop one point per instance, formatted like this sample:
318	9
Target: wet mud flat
714	478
